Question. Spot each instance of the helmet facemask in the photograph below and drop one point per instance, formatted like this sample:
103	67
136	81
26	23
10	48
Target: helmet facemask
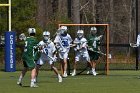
93	30
32	31
46	36
63	30
80	33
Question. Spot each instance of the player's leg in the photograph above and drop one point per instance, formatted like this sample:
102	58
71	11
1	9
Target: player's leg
56	72
25	69
65	68
65	57
37	72
33	75
39	63
74	70
77	58
94	60
92	65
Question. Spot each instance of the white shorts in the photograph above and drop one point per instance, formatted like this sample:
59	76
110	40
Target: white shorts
63	55
84	57
43	59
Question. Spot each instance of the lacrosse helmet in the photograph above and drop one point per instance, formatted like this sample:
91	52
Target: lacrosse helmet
93	30
63	30
46	36
32	31
80	33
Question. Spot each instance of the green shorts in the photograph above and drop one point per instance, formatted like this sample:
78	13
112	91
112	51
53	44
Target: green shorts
93	55
28	62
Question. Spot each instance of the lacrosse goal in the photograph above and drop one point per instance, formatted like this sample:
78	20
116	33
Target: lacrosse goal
103	62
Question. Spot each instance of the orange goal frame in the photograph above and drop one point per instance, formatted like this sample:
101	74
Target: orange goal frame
107	40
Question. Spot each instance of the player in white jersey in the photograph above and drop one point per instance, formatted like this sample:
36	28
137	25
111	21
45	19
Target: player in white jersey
63	41
47	49
138	40
81	50
137	44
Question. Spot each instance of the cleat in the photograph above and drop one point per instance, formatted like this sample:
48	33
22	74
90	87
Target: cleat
65	75
73	74
33	86
88	72
19	83
94	73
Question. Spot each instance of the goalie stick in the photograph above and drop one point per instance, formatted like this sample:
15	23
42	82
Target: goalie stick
109	55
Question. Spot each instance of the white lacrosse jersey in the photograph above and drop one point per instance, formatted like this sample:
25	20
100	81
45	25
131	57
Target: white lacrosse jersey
138	40
81	49
47	49
81	43
63	42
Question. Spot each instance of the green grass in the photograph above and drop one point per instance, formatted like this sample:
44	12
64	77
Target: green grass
125	81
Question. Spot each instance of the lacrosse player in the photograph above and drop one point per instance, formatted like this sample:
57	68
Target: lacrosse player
63	41
81	50
136	44
93	45
28	57
48	50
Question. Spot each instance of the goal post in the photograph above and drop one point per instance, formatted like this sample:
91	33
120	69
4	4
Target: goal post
106	39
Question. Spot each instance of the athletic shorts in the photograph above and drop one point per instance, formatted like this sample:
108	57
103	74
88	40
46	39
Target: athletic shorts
93	55
63	55
43	59
84	57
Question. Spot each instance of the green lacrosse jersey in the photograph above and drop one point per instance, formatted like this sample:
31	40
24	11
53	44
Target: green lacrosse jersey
29	54
94	44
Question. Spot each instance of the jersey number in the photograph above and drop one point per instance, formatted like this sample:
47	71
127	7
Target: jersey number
94	44
65	43
46	51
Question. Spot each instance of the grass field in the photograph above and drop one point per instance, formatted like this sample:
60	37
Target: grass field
125	81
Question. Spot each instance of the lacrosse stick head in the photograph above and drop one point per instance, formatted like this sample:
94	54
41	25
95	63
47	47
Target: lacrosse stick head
133	45
109	56
22	36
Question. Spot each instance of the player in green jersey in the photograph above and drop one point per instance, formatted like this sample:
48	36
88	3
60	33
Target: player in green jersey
29	57
93	46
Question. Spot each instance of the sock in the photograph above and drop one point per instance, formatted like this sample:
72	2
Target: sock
35	79
74	71
93	69
65	72
32	81
20	78
59	75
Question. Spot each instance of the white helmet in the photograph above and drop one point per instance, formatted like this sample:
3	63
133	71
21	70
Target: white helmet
63	30
64	27
93	30
31	30
80	33
46	35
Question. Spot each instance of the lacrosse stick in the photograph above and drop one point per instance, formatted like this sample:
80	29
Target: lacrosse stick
22	36
133	45
109	55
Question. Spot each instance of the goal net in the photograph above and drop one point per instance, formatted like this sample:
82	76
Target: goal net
102	64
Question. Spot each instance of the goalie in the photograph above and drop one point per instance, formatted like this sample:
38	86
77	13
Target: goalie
93	45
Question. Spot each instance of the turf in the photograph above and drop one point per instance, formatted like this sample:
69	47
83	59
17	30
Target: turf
125	81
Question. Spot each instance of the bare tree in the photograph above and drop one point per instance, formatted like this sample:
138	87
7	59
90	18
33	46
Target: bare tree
75	11
62	9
